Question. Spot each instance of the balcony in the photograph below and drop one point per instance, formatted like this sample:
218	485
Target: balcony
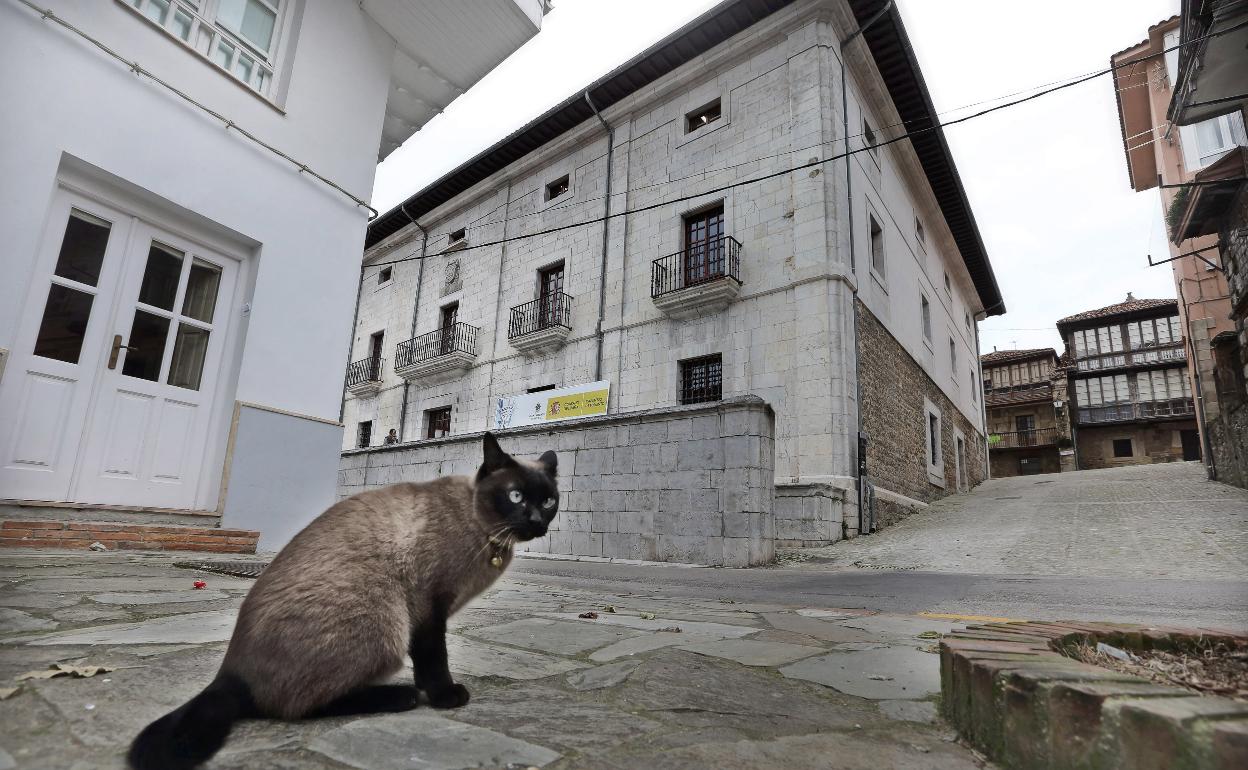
449	349
1023	439
364	376
1138	357
700	278
541	325
1148	410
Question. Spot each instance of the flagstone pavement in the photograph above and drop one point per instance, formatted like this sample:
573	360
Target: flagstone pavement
657	683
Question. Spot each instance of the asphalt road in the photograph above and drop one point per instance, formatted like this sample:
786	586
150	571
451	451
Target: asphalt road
1219	603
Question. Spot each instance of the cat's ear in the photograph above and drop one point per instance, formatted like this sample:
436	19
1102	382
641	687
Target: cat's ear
550	462
495	457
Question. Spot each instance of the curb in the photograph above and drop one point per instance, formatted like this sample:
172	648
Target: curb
1007	690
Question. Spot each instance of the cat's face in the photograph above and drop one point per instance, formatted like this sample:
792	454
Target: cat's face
521	496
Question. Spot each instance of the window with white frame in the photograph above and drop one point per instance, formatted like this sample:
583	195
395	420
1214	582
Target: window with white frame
878	261
925	311
241	37
870	141
1206	141
933	449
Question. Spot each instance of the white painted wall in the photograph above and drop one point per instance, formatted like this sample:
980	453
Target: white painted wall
65	100
786	339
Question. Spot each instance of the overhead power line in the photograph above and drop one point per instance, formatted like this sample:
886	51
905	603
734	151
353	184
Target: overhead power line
821	161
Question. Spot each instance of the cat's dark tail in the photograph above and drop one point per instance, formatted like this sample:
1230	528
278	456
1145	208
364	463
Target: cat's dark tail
188	736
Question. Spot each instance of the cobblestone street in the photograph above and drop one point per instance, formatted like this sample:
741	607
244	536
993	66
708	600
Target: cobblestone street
1145	521
658	683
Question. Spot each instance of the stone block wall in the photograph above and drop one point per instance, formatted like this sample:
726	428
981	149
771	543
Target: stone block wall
691	484
894	387
1150	443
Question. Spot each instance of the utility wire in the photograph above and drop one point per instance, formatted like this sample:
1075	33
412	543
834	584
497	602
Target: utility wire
819	162
134	67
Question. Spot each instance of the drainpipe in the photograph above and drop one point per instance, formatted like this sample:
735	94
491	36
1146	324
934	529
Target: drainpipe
606	222
355	319
861	468
1202	422
420	281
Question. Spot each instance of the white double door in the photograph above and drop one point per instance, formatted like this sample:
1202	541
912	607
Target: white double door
109	391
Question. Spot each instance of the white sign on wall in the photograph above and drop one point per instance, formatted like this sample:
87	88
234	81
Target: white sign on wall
586	400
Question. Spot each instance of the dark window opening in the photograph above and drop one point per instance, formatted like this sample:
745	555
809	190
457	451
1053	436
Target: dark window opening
557	188
438	422
919	232
704	116
868	138
701	379
933	439
704	245
550	295
364	435
384	275
948	285
459	234
1122	447
374	345
450	315
540	388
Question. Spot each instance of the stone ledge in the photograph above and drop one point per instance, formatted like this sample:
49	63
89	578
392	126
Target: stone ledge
79	535
1008	690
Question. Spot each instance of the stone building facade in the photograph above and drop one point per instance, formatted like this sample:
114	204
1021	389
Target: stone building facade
1179	128
1210	87
1131	402
502	279
1028	414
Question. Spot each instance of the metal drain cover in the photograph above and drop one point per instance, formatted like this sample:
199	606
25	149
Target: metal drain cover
247	569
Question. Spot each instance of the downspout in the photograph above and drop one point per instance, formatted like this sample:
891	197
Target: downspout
606	223
355	319
860	468
420	281
1202	422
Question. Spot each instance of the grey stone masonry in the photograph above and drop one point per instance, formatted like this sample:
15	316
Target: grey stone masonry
691	484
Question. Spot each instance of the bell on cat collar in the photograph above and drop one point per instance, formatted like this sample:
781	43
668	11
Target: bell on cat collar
496	561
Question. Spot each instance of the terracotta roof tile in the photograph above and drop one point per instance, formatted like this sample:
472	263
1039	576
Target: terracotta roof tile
1129	306
1004	356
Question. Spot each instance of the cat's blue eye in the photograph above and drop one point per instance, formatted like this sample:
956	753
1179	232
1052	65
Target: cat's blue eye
550	503
515	496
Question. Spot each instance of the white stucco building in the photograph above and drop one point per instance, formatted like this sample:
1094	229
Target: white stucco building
847	303
176	300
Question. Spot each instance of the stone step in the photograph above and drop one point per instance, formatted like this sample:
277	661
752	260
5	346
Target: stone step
124	536
81	512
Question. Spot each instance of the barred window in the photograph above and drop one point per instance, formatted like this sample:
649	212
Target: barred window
701	379
364	434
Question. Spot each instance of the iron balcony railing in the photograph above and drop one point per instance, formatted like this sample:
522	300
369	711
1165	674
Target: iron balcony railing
545	312
364	370
1023	438
697	264
1147	410
457	338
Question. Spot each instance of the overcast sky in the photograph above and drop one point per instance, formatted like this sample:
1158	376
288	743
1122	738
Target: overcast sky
1047	179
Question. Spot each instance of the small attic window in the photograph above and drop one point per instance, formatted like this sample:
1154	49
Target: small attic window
704	116
869	139
919	232
557	188
459	235
383	276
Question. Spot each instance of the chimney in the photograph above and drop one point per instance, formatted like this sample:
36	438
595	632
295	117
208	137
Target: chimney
1130	297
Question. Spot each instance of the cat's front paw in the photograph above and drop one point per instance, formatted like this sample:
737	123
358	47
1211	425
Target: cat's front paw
450	698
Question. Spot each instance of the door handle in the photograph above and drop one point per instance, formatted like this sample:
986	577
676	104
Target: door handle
117	348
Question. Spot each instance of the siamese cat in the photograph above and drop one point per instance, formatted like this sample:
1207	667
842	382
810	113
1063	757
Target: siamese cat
368	582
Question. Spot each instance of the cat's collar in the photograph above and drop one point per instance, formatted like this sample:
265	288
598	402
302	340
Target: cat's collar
498	549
